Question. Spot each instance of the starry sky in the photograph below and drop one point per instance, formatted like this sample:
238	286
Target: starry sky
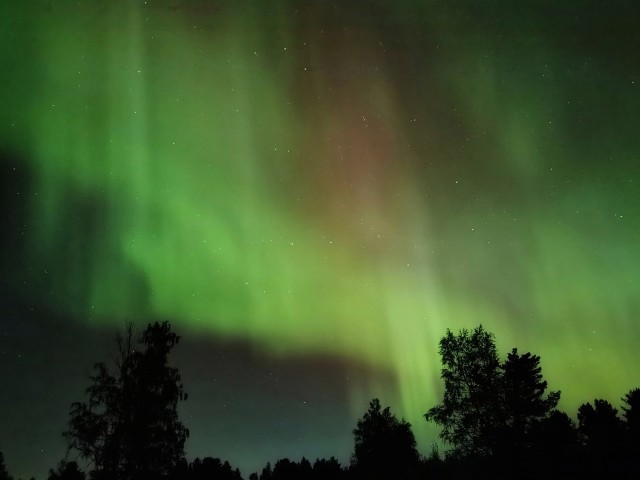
312	192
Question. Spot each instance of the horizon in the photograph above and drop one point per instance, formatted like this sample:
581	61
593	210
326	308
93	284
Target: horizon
254	370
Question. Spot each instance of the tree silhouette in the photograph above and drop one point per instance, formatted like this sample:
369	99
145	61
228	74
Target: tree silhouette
555	440
267	473
285	469
601	432
67	471
304	469
384	446
631	409
470	409
599	425
524	403
4	474
631	416
492	413
327	469
210	468
129	428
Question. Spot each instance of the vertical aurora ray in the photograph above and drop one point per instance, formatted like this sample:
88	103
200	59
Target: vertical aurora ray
343	181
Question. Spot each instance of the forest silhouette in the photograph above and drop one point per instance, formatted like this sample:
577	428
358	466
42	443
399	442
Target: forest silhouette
496	418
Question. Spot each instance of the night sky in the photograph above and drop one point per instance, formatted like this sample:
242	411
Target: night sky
312	192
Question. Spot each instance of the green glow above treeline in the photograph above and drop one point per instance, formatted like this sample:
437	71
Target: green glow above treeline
343	181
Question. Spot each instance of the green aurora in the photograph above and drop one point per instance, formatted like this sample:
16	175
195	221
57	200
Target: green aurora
348	178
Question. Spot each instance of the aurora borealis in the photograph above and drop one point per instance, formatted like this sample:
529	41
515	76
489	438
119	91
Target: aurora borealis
320	189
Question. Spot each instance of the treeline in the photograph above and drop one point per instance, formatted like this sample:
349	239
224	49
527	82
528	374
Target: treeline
497	420
500	421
